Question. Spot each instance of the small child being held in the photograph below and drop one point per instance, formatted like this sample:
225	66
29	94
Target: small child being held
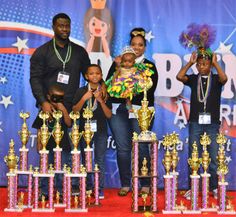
91	96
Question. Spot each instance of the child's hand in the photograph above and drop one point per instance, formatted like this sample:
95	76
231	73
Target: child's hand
88	95
193	58
60	106
214	59
98	96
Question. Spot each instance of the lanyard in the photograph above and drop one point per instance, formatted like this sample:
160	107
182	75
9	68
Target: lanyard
201	95
68	54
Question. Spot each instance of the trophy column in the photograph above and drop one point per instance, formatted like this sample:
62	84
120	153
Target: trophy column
222	184
11	160
194	163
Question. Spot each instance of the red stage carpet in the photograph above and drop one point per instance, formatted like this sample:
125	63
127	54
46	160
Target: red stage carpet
112	206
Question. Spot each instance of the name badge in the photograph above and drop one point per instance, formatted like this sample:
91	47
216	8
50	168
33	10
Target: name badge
93	125
204	118
63	77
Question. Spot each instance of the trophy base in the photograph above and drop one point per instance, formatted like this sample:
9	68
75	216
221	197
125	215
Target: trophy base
59	171
209	209
191	212
171	211
76	210
142	209
147	136
13	210
226	212
43	210
59	205
24	172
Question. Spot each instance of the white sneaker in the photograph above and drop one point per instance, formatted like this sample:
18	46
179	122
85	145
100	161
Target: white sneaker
215	193
187	195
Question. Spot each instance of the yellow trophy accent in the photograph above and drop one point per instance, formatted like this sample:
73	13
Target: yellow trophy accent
195	161
87	134
44	134
11	159
174	137
205	141
57	132
24	133
167	161
222	167
75	135
144	169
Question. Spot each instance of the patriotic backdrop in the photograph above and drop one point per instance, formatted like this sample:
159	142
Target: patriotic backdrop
26	24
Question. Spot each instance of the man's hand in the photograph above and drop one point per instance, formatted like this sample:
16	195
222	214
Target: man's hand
214	60
193	58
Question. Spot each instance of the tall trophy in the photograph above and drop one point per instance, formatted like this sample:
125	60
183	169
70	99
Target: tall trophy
44	136
75	136
57	134
174	137
144	116
205	141
88	135
222	171
24	134
11	160
194	162
167	161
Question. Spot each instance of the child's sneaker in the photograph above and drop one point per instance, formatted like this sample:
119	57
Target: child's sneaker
187	195
101	194
215	193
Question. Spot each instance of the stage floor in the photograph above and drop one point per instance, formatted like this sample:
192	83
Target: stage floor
112	206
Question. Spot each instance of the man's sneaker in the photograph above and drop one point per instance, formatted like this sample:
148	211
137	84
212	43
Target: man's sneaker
101	194
215	193
187	195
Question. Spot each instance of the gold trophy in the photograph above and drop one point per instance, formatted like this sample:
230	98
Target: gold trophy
44	134
75	135
144	197
174	137
11	159
144	169
57	132
88	134
205	141
145	115
24	133
195	161
167	161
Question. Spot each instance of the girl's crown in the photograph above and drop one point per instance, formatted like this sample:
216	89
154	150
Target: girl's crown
128	49
98	4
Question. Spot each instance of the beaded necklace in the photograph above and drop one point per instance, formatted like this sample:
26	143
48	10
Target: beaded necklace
93	106
68	54
201	95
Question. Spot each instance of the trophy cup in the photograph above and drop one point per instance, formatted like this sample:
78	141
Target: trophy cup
57	134
75	136
145	116
168	179
144	169
11	160
24	134
88	135
44	136
205	141
194	163
174	138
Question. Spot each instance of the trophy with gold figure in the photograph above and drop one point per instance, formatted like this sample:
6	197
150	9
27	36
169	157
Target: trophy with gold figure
194	162
145	116
222	171
24	134
57	134
11	160
205	141
88	135
174	138
168	178
75	136
44	136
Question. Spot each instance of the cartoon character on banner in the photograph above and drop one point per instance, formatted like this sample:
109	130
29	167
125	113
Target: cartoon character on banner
98	27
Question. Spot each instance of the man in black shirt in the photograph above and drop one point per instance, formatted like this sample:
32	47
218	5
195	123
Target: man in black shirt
59	61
